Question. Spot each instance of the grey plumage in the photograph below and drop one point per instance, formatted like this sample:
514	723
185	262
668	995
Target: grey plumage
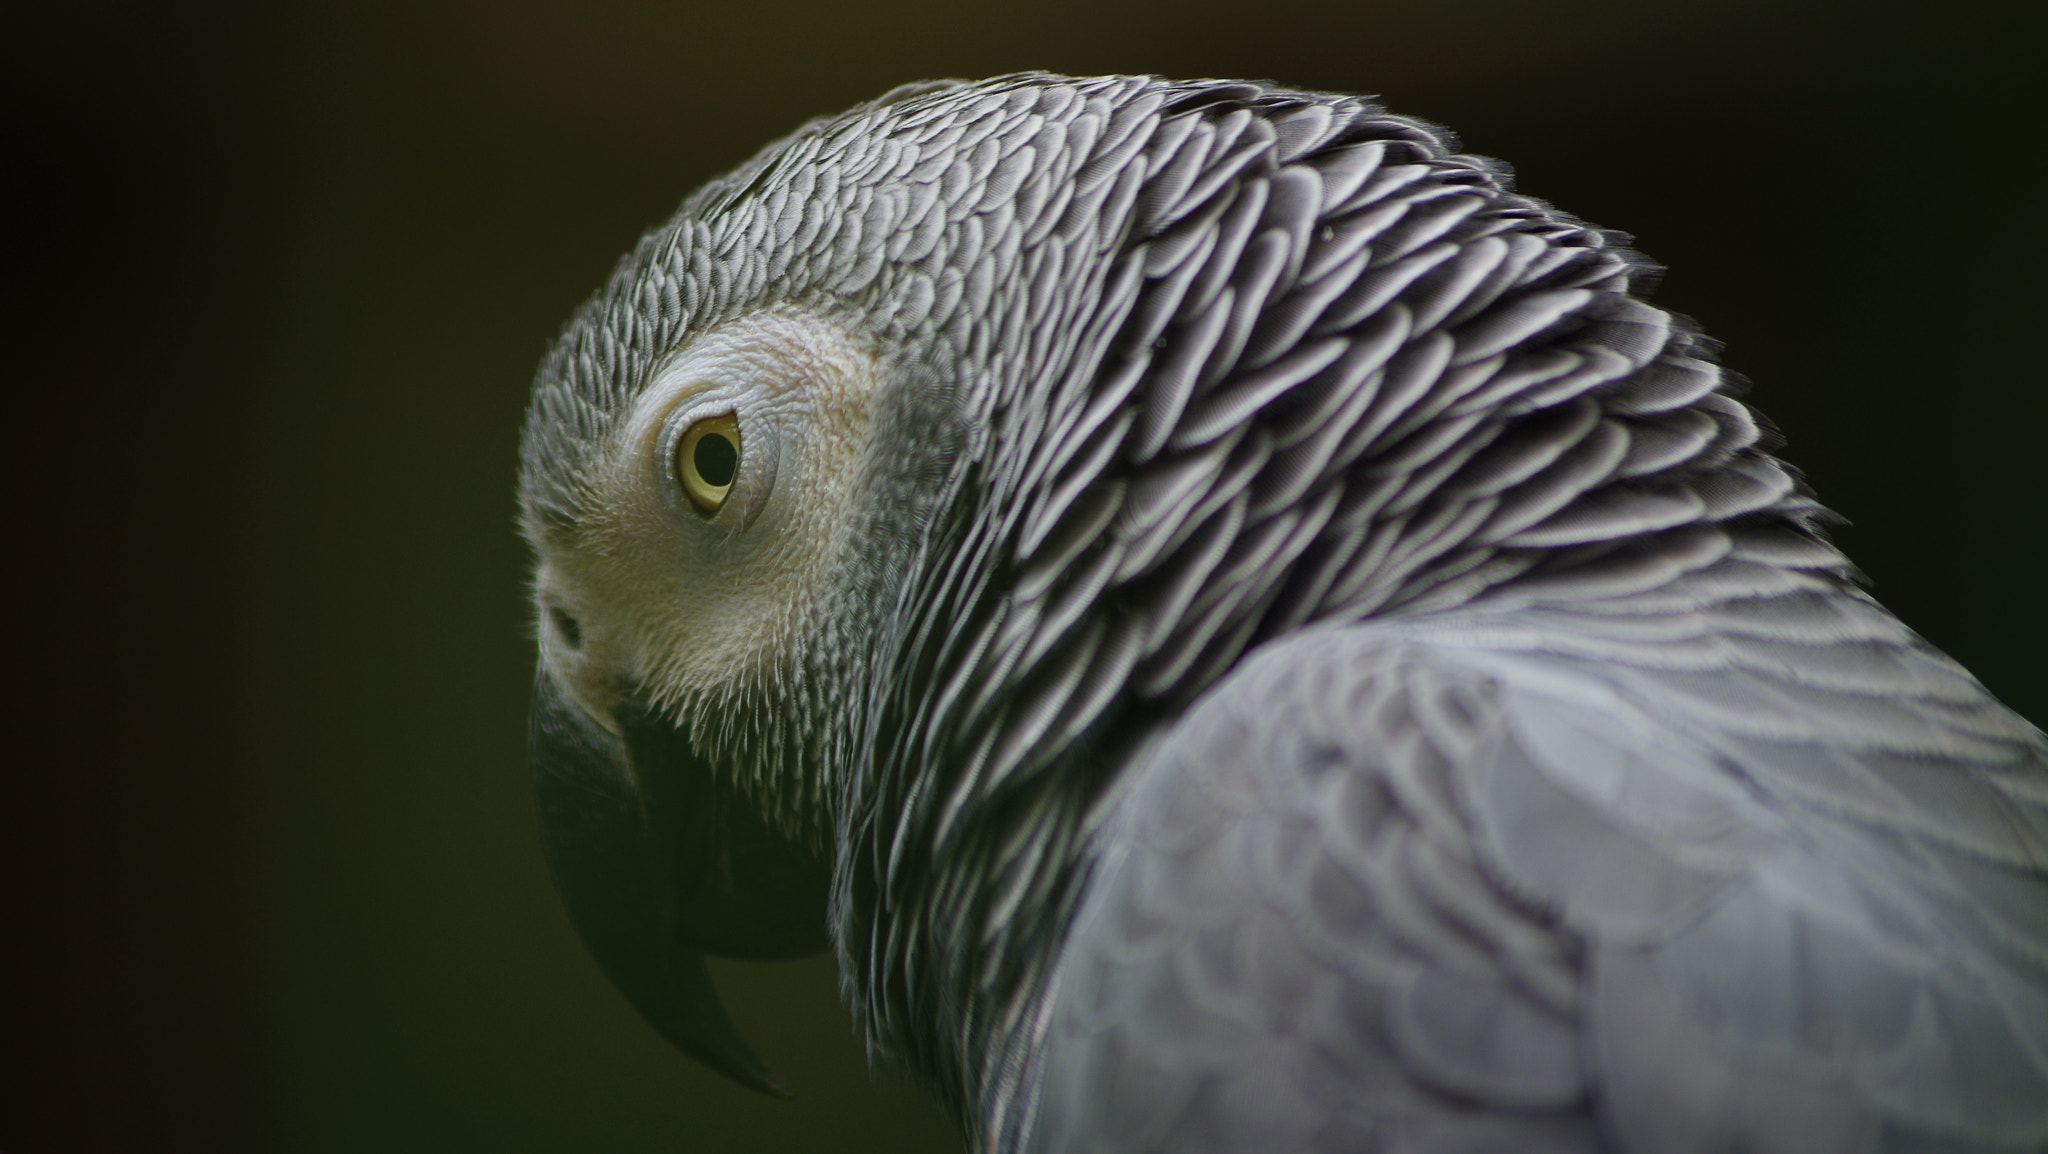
1312	662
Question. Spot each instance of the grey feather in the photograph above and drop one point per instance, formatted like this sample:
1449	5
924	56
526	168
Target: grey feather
1324	667
1731	968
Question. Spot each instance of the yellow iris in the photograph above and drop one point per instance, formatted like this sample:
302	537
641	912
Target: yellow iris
708	460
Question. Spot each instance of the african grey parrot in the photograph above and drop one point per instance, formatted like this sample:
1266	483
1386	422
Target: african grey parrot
1243	634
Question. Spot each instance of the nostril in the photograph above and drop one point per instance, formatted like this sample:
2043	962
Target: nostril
566	625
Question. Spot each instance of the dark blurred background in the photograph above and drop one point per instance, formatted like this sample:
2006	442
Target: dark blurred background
277	277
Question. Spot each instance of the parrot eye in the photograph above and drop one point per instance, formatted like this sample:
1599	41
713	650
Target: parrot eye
708	460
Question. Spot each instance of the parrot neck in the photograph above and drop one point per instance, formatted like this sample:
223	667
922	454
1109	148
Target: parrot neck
948	939
997	739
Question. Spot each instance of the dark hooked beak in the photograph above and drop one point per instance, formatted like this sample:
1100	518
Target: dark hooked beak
660	865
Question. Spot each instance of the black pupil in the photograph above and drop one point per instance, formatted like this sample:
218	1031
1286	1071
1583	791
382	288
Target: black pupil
716	460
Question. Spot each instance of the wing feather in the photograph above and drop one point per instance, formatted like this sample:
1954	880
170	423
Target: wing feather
1439	883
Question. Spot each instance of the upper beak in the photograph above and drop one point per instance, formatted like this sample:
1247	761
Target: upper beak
660	864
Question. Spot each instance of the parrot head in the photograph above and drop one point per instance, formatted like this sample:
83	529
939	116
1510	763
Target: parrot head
676	603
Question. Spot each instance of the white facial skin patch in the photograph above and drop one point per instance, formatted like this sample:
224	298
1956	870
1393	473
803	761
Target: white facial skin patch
659	591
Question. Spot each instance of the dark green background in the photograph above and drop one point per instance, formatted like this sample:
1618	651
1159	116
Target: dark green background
278	277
